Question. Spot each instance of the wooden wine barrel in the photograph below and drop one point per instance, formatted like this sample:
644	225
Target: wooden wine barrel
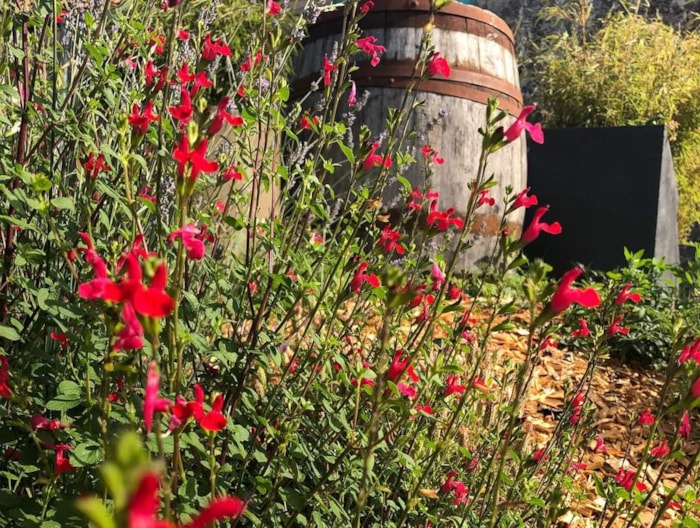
480	49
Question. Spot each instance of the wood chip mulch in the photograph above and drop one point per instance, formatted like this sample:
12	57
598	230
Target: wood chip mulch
620	393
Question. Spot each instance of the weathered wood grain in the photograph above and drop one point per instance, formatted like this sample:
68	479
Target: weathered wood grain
482	57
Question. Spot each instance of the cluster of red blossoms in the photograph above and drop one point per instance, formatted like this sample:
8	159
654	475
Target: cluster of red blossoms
361	276
400	364
455	387
437	219
93	166
376	160
660	449
181	410
38	422
615	327
461	492
443	220
308	121
135	298
193	238
389	241
691	352
431	155
144	505
191	158
61	461
627	479
577	408
369	46
582	330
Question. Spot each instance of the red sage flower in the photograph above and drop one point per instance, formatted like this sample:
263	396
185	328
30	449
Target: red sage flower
367	44
565	295
5	390
535	227
442	220
213	49
376	160
361	277
625	296
93	166
513	132
438	65
212	421
144	504
194	159
139	120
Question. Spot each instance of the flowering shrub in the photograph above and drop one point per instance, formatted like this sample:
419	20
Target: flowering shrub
177	353
662	307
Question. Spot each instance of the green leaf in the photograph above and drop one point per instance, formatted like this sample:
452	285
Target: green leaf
69	387
17	222
508	308
690	494
599	485
505	326
191	299
347	151
9	333
17	52
518	262
192	439
537	501
96	52
63	402
318	518
87	454
63	202
262	485
240	433
293	498
95	511
514	455
41	297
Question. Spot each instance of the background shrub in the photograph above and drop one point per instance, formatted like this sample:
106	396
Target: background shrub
669	311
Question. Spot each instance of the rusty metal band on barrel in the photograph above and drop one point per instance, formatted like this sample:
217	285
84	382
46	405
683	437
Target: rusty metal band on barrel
465	84
416	13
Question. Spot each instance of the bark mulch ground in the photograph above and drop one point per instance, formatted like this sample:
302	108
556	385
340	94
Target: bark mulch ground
620	392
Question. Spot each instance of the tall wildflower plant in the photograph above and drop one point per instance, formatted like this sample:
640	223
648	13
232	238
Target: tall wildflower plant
193	332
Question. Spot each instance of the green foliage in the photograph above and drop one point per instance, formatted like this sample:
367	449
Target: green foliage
630	70
667	314
170	346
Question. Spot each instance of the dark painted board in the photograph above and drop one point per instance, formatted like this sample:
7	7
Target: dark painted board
610	188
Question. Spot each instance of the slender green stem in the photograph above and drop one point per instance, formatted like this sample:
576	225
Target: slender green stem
212	464
373	427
